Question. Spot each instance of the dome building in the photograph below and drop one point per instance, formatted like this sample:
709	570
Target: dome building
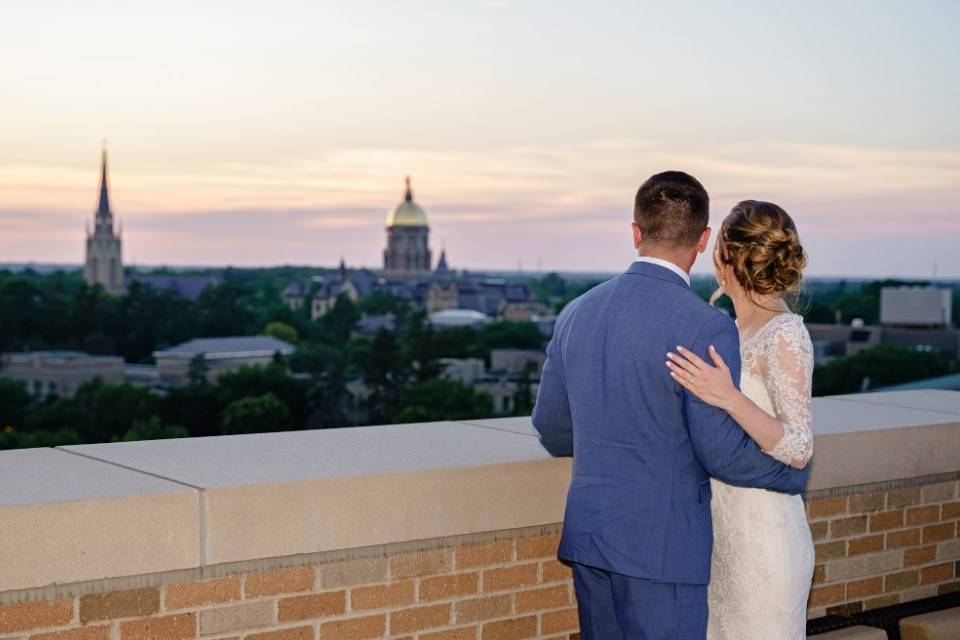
408	249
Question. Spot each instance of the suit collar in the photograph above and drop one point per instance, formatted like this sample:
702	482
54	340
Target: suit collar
656	271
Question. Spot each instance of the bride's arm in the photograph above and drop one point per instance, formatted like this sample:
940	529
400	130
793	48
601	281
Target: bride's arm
788	436
713	385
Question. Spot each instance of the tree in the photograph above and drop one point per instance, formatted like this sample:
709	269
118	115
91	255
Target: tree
879	366
386	375
281	331
337	323
115	408
198	369
151	429
254	381
257	414
440	399
512	335
14	403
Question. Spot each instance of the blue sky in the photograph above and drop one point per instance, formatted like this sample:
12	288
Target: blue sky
265	133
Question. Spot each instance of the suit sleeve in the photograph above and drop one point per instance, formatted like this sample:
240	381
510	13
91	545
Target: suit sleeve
551	412
723	448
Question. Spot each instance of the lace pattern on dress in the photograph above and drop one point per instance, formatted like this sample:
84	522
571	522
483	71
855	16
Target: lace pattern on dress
781	354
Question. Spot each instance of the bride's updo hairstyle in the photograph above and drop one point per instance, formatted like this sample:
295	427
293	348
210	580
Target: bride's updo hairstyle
760	241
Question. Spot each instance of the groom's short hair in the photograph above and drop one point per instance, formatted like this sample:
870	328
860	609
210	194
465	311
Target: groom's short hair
672	208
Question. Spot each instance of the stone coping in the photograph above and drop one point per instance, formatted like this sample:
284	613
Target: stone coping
89	512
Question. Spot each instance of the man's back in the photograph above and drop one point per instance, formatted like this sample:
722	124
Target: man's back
639	499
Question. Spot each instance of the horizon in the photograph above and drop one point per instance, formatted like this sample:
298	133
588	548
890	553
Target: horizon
256	147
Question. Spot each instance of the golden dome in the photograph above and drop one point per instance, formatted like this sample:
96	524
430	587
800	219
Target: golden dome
408	213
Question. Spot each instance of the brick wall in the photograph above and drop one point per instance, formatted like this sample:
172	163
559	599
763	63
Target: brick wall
498	590
874	548
880	548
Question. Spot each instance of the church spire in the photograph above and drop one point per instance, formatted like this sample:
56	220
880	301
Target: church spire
408	196
103	208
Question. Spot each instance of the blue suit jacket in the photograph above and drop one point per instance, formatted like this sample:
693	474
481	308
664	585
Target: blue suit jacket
643	448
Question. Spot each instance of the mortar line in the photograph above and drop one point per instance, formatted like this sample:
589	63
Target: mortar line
492	428
895	406
201	497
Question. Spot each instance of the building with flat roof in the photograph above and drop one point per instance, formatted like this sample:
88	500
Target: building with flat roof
60	373
217	356
916	307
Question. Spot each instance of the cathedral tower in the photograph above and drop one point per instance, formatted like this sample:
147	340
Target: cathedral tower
408	250
104	264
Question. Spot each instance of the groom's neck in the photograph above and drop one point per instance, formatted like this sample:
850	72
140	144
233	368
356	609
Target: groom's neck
683	258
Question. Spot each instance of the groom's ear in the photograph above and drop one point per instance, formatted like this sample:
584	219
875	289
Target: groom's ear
637	235
704	239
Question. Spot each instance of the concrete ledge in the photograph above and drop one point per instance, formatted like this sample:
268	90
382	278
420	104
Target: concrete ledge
938	625
124	509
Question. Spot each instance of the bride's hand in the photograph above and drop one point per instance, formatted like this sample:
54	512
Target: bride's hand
712	384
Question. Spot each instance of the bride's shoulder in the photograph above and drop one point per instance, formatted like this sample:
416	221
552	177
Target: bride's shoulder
789	328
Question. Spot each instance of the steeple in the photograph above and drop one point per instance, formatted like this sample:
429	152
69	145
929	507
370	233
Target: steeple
104	215
408	196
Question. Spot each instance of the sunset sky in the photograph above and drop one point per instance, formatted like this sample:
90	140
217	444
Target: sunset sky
265	133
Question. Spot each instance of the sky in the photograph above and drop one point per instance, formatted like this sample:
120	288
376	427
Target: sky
267	133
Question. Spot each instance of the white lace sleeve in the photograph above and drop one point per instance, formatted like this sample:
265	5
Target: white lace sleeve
789	375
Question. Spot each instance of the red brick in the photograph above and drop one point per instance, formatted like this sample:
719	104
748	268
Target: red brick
119	604
863	588
936	573
830	550
866	544
547	598
286	580
382	596
882	601
354	628
821	596
819	574
826	507
923	515
417	618
176	627
951	510
34	615
514	629
903	498
555	621
314	605
554	570
479	555
194	594
538	547
867	502
523	575
938	532
91	632
294	633
919	555
846	527
442	587
819	530
886	520
905	538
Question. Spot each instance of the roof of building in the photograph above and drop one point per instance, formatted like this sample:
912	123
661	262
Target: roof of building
190	287
228	347
458	318
57	356
408	213
951	381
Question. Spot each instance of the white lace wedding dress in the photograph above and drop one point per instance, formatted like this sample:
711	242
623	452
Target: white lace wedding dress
763	553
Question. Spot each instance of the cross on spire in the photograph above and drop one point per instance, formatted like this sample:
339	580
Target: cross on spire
409	194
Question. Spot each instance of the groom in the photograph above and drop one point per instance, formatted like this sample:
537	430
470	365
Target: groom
637	528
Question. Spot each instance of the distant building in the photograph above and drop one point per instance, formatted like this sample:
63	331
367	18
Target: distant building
217	355
518	362
458	318
921	307
60	373
466	370
408	248
188	287
104	263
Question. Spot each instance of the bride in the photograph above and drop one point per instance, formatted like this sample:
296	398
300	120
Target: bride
763	552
